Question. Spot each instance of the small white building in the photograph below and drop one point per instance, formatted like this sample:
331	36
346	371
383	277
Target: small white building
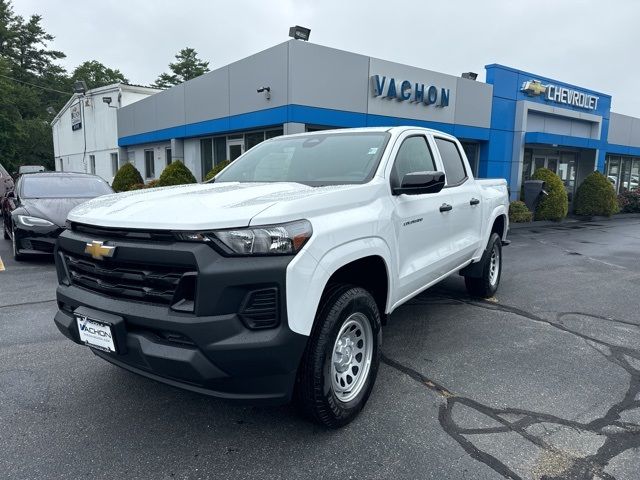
85	131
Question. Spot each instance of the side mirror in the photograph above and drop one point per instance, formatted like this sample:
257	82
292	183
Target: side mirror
419	183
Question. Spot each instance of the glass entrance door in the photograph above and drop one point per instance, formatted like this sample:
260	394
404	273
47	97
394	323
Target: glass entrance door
564	165
235	148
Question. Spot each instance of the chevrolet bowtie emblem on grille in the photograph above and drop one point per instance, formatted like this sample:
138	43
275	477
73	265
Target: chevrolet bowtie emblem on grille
99	250
533	87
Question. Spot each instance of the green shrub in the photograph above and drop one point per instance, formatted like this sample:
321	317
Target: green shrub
125	177
596	196
629	201
519	213
216	169
555	205
176	174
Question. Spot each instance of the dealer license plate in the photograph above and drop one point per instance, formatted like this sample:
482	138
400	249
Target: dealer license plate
95	334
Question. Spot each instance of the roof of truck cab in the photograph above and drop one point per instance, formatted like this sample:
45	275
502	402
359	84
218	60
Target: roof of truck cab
395	129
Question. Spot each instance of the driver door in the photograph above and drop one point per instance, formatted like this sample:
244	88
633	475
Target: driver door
422	236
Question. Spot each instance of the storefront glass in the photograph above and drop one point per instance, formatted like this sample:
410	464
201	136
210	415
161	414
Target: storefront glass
562	163
623	172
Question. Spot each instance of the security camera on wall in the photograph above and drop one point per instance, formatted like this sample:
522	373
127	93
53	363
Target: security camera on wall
266	91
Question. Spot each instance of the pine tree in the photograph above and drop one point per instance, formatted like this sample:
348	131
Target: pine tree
186	67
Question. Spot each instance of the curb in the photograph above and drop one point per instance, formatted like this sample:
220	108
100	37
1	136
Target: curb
571	221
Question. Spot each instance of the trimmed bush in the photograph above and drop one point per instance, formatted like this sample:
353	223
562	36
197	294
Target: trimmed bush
629	201
554	206
519	213
126	176
152	184
596	196
176	174
216	169
137	186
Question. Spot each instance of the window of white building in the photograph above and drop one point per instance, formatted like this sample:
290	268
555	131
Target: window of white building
149	164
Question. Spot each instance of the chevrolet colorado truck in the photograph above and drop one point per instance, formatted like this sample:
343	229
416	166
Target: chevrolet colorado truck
271	282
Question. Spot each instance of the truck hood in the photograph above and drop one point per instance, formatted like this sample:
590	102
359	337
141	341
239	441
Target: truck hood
189	207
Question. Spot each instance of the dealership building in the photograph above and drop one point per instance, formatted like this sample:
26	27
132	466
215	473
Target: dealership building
509	125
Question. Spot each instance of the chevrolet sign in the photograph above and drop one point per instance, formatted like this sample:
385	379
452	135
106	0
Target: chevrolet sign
558	94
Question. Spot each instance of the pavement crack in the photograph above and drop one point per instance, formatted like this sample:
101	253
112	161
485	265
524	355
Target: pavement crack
27	303
620	436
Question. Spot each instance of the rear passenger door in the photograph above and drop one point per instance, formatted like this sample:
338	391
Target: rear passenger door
423	244
464	220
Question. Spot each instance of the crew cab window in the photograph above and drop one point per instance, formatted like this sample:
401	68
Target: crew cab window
452	160
413	156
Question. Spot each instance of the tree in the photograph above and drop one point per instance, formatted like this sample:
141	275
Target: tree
97	75
27	49
186	67
7	18
31	81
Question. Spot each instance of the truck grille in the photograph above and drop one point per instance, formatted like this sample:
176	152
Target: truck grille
147	283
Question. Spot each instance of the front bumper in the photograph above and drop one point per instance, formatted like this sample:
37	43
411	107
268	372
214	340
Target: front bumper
36	239
210	350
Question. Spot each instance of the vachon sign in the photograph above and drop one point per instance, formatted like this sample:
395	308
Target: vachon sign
404	90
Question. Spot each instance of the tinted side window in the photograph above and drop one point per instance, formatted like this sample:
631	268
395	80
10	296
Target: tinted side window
414	156
452	160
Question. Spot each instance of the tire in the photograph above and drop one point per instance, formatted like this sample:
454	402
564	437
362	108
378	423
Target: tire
17	256
487	284
346	327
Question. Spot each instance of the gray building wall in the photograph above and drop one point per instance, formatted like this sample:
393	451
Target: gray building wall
300	73
624	130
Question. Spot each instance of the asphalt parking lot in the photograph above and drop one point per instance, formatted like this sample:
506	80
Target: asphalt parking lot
541	382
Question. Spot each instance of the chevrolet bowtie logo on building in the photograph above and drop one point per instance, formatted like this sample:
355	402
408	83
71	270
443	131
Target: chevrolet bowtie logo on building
534	87
99	250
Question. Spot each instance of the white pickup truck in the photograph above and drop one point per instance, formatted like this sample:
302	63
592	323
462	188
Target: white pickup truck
272	281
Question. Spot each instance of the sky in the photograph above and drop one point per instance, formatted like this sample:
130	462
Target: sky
592	44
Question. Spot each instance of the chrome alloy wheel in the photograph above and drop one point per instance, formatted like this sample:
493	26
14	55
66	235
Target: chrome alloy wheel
494	266
351	357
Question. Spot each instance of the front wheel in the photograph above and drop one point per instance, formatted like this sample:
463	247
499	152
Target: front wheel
486	285
341	361
17	256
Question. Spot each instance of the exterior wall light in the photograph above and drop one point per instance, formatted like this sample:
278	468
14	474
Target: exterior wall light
300	33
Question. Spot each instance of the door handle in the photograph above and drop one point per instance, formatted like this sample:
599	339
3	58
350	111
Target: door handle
445	207
474	201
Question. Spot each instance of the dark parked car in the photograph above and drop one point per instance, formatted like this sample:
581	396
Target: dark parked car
35	213
6	182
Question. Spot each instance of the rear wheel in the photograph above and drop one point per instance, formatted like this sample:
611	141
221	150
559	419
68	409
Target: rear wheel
486	285
341	361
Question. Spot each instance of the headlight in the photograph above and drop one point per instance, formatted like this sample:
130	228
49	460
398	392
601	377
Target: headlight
27	221
282	239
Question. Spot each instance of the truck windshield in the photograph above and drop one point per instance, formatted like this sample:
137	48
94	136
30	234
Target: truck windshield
334	158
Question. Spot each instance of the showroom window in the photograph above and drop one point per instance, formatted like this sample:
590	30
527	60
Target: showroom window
623	172
149	164
92	164
167	156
